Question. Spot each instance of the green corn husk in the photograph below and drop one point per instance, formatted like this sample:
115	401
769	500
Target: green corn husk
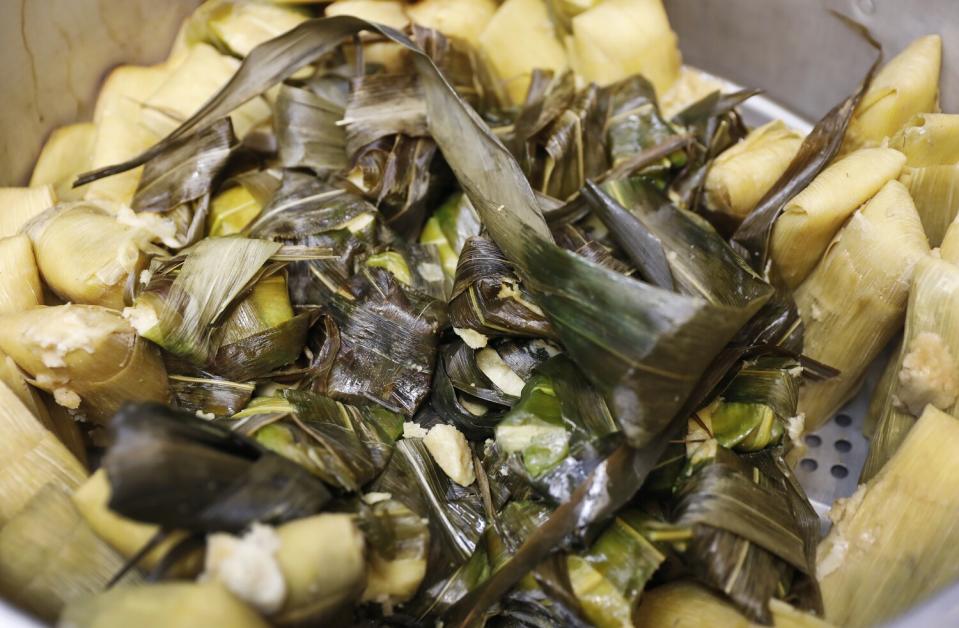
610	577
811	219
87	356
124	535
261	334
935	190
86	254
231	211
33	457
49	557
448	228
210	397
892	543
685	604
854	301
20	287
741	175
929	139
906	86
399	548
635	124
187	296
307	133
757	407
20	205
66	153
924	370
188	604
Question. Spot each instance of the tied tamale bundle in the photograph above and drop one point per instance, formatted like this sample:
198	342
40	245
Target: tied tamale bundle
906	86
399	543
64	155
811	219
87	356
20	287
854	301
20	205
929	139
924	371
892	543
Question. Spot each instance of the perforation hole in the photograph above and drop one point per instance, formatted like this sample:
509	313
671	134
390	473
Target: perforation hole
843	420
838	471
843	446
813	441
808	464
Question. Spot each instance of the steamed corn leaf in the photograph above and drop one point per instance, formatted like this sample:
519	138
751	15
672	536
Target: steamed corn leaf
209	396
174	470
307	133
381	105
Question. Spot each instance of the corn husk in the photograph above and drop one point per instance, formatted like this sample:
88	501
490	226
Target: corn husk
893	542
20	287
906	86
120	134
935	189
686	604
62	423
242	26
321	577
742	175
231	210
811	219
616	39
13	378
463	19
201	73
691	87
949	249
125	535
86	255
182	604
19	205
929	139
87	356
33	457
67	152
925	369
399	548
518	39
389	12
854	301
49	557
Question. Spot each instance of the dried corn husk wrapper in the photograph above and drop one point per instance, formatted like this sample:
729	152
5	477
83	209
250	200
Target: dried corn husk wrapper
19	205
906	86
32	457
20	287
854	301
518	39
692	86
185	604
893	543
929	139
66	154
88	357
925	370
935	189
616	39
811	219
742	175
49	557
86	255
685	604
463	19
124	535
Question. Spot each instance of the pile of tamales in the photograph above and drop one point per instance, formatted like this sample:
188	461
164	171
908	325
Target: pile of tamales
471	312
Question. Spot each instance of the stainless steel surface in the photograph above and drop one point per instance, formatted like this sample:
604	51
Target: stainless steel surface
53	54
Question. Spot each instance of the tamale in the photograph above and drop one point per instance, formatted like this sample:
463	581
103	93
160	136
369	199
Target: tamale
241	26
13	377
854	301
190	85
185	604
893	542
19	205
949	249
126	536
692	86
86	254
33	457
906	86
929	139
685	604
119	132
935	190
616	39
49	557
743	174
67	152
925	370
389	12
399	546
464	19
87	356
518	39
231	210
811	219
19	279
